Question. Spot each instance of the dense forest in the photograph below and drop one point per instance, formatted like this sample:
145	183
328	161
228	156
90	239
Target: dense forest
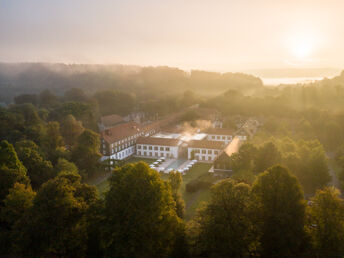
280	202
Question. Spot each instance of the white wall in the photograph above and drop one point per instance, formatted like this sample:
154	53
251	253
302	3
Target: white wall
172	152
207	157
219	138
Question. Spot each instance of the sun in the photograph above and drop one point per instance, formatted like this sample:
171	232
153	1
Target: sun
302	45
302	50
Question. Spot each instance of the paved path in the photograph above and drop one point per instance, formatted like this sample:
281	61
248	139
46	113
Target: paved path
334	178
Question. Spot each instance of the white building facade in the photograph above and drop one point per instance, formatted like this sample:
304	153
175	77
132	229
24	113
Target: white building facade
152	147
204	150
220	134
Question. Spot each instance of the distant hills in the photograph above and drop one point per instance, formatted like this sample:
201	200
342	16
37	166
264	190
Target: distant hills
294	72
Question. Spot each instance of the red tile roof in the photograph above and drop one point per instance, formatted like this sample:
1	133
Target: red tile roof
120	132
111	120
217	145
158	141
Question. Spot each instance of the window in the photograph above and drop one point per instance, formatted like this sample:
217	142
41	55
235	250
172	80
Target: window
156	154
145	147
218	137
204	152
216	152
209	158
145	153
156	148
138	146
139	153
161	148
213	137
167	148
223	137
150	148
150	154
210	151
197	150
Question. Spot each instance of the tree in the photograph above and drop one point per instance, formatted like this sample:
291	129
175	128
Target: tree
225	225
16	203
64	165
55	225
47	99
139	206
11	169
75	94
53	137
280	211
71	129
86	153
39	170
326	223
175	179
267	156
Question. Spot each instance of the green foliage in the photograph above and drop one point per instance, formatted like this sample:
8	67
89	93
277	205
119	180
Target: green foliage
39	170
15	205
280	213
55	224
109	101
326	223
71	129
139	206
175	180
11	169
86	152
225	226
197	185
64	165
267	156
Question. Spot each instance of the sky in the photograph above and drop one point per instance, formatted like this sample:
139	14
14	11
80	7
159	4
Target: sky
219	35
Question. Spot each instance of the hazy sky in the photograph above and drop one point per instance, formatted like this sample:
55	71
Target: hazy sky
205	34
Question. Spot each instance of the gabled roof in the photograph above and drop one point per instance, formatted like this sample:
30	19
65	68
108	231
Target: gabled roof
217	145
220	131
111	120
233	147
120	132
158	141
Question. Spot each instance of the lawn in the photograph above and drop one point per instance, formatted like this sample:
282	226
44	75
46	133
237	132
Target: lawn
194	200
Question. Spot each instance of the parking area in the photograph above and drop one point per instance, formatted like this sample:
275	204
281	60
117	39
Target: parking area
167	165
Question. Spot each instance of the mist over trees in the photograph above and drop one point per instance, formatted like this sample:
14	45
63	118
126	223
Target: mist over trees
277	203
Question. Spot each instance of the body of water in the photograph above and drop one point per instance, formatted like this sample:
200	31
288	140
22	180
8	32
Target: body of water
289	80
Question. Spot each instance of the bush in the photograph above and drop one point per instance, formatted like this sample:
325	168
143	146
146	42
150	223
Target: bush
196	185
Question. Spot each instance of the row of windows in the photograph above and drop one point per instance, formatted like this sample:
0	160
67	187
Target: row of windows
144	147
219	137
125	153
205	158
203	151
128	139
123	146
154	154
